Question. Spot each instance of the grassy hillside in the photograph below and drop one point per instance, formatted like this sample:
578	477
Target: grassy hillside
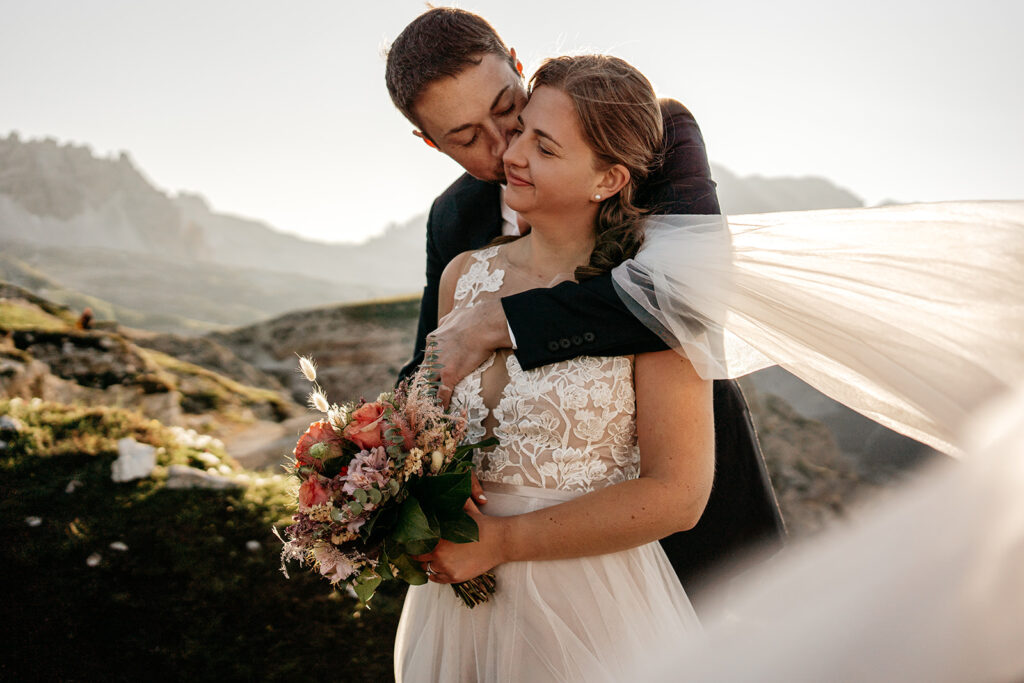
31	278
165	294
196	595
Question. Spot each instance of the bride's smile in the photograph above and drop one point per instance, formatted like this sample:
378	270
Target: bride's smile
553	174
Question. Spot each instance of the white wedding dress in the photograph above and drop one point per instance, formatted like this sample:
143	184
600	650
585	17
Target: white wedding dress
565	429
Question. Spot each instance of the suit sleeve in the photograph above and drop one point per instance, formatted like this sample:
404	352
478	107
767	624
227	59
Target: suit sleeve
570	320
589	318
428	305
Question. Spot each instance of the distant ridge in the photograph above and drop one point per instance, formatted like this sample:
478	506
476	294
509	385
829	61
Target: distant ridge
77	227
758	194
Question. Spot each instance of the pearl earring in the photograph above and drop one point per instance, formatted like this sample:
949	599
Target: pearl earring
597	197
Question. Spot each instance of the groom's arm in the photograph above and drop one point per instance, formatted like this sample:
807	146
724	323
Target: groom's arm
589	318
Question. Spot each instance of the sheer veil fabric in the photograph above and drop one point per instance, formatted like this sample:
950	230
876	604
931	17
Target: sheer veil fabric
925	585
912	315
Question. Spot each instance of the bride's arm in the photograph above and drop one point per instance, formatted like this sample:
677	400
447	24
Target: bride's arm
675	429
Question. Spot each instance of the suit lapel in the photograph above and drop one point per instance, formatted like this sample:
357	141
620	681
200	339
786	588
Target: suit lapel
480	214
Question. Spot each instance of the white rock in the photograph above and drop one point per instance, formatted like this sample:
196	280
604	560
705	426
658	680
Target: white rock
72	485
10	424
94	559
252	546
185	477
135	460
33	521
224	469
208	458
119	546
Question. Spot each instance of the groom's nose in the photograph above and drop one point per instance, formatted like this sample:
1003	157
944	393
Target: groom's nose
498	138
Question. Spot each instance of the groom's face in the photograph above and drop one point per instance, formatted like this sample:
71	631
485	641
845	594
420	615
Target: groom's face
471	116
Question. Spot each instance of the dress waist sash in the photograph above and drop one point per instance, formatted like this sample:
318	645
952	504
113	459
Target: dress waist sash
504	500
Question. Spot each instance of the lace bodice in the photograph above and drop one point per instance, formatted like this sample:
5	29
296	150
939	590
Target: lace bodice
569	425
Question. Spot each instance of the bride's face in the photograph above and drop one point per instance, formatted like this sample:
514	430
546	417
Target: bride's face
550	168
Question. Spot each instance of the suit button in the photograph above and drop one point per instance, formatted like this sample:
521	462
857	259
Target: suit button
553	346
588	336
565	343
577	340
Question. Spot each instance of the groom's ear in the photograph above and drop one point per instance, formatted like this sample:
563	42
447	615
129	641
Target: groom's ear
423	136
614	179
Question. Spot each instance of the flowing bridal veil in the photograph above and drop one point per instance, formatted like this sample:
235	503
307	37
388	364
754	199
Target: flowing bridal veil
927	585
912	315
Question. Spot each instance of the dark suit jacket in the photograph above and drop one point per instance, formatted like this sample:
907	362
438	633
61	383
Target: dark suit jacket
589	318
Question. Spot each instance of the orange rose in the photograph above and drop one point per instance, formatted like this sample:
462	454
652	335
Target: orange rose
312	493
318	433
365	429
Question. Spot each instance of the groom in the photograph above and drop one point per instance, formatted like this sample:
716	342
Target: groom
453	78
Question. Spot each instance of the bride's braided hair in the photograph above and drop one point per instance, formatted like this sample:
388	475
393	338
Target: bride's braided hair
621	122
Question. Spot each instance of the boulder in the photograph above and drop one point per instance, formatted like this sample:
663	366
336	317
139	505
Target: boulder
185	477
10	424
135	460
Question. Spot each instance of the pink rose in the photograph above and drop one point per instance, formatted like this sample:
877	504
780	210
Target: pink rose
311	493
366	426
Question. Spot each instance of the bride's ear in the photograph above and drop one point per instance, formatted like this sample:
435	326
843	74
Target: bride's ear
422	136
611	181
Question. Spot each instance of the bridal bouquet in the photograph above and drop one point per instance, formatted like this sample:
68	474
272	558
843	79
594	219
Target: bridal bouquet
381	481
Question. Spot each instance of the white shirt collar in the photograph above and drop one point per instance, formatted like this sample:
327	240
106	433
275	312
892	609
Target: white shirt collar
509	218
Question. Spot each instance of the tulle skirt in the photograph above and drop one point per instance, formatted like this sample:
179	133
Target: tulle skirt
583	619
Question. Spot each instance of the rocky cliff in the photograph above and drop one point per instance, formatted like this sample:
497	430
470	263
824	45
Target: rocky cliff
47	353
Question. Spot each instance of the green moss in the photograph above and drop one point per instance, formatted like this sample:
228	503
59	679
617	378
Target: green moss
187	600
17	315
204	390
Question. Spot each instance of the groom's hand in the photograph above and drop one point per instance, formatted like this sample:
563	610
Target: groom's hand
464	339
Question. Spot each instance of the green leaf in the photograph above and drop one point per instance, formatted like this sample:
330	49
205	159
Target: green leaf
393	486
366	585
415	530
445	493
355	507
383	566
382	517
375	495
460	529
409	570
464	451
360	495
336	514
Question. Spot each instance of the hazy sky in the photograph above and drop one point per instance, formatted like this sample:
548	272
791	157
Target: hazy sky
278	111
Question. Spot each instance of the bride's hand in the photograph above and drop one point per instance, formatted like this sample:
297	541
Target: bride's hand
464	339
457	562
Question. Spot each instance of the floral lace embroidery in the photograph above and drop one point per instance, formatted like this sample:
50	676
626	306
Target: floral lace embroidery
478	278
568	425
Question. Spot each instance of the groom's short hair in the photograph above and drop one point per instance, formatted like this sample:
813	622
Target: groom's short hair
441	42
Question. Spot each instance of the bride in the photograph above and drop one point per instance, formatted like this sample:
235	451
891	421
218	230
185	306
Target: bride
598	457
912	315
